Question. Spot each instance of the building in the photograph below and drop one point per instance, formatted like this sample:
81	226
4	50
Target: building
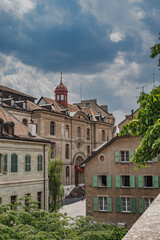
23	161
73	129
115	191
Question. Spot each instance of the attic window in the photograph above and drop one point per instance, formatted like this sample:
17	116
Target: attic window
9	128
1	125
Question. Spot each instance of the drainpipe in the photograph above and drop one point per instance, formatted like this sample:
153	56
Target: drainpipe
44	163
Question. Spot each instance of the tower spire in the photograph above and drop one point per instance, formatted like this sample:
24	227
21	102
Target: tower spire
61	78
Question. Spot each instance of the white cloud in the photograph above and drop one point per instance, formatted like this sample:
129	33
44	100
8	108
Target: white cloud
116	36
17	7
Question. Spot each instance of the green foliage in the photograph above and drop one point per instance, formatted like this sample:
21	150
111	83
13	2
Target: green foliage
155	51
56	190
146	125
35	224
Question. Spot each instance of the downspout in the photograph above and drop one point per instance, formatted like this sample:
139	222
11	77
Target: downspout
44	166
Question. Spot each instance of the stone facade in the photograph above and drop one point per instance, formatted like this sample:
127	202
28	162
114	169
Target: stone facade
115	191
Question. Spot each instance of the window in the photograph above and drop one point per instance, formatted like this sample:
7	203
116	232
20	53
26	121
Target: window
103	181
62	97
0	163
125	181
102	203
53	150
27	163
67	131
39	163
0	201
147	202
67	151
14	163
52	128
124	156
103	136
88	134
67	175
13	199
39	199
25	122
79	132
88	151
57	97
148	181
126	204
1	126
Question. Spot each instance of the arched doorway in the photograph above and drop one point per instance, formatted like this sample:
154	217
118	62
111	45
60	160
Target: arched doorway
79	176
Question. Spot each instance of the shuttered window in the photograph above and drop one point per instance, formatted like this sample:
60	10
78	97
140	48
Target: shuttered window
132	181
94	180
39	163
141	208
27	163
140	181
14	163
109	204
118	204
117	181
5	163
133	205
156	183
116	155
95	203
109	181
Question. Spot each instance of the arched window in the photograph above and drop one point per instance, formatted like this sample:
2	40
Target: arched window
67	131
88	151
53	150
67	151
39	163
25	122
27	163
52	128
88	134
67	175
103	136
79	132
14	163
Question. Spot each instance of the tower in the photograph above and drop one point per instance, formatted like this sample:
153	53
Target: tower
61	93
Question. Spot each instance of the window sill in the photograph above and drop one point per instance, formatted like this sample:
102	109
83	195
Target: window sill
125	187
126	211
102	186
102	210
148	187
125	162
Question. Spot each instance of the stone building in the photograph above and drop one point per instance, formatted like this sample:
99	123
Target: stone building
115	191
73	129
23	162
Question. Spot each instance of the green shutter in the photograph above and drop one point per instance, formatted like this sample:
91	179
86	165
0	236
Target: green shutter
109	181
14	163
155	159
133	205
39	163
156	183
140	181
132	181
131	154
109	204
5	164
95	204
116	156
118	204
117	181
94	180
141	209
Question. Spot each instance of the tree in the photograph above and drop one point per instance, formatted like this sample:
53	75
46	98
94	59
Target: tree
32	223
56	190
155	50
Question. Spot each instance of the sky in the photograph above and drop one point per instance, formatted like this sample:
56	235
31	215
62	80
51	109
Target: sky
101	45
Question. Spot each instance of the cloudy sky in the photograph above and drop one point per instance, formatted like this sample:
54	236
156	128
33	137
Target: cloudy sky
102	44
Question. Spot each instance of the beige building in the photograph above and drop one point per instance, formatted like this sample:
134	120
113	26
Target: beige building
73	129
23	162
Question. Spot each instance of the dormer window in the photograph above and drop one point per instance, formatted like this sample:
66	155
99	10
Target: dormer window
9	128
25	122
1	126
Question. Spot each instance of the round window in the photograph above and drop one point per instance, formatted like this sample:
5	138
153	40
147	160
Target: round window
101	158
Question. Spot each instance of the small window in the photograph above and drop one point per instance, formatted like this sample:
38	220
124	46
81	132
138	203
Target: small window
103	136
124	156
101	158
25	122
27	163
102	181
57	97
103	204
88	151
88	134
147	202
39	199
62	97
67	131
52	128
67	151
14	163
126	204
79	132
148	181
13	199
39	163
125	181
53	150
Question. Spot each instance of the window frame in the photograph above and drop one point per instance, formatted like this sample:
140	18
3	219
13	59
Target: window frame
151	199
126	204
39	163
144	177
88	134
52	128
104	203
27	163
12	164
125	186
100	181
67	151
67	131
125	156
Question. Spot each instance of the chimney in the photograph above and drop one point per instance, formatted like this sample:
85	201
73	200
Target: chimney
132	111
32	128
